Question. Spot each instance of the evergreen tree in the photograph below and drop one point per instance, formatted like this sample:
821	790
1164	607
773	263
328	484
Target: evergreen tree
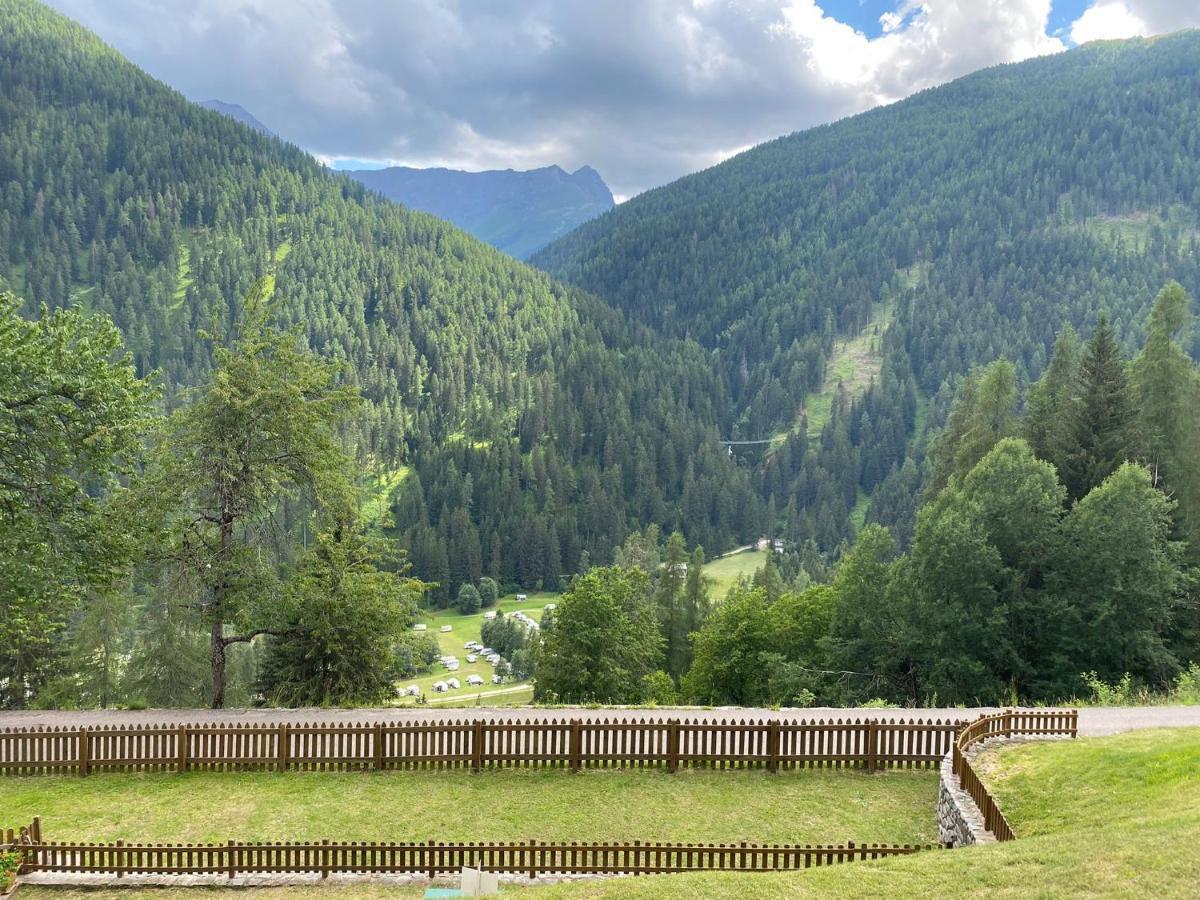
342	619
1166	385
263	431
1100	423
1049	406
468	601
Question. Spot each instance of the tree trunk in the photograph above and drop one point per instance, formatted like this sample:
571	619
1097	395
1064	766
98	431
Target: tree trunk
218	665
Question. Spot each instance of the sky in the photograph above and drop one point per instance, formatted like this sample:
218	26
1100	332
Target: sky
644	91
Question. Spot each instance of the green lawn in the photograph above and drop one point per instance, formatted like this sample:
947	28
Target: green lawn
804	807
1101	817
725	571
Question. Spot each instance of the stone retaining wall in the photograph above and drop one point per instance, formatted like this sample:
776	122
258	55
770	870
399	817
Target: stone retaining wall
959	821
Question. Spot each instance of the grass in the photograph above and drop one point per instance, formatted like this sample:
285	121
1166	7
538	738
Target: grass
184	278
1116	816
726	570
604	805
378	490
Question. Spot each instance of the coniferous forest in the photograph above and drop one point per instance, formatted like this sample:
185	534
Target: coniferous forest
216	355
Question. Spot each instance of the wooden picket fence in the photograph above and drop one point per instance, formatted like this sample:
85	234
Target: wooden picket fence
1010	723
431	858
669	744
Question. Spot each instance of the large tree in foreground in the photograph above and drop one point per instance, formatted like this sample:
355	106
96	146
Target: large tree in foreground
601	641
341	620
72	410
262	433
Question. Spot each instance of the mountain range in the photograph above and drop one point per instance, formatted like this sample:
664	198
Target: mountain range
519	212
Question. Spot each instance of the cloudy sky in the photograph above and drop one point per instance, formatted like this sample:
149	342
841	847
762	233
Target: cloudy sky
643	90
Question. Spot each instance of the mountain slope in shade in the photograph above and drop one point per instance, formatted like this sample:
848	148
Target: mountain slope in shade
239	113
518	212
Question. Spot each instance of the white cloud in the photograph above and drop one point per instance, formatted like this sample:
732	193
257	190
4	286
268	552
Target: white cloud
643	90
1105	21
924	43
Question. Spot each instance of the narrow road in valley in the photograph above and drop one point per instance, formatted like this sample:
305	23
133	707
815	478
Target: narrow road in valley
1092	721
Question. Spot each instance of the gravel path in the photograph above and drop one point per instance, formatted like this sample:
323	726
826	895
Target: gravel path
1092	721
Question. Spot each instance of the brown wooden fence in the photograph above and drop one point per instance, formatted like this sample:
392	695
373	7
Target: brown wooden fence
669	744
532	858
1010	723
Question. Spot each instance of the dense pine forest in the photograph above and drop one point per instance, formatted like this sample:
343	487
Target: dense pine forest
985	213
253	415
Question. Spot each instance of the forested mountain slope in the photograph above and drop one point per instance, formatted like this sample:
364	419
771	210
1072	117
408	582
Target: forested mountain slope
986	212
534	423
519	212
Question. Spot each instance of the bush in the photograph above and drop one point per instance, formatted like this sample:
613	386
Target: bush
415	653
1104	694
468	601
9	863
658	689
1187	686
489	592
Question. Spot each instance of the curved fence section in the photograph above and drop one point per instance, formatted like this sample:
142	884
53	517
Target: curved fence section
1008	724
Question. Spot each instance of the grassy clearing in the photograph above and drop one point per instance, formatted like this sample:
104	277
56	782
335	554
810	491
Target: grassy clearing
855	362
377	494
805	807
184	278
726	570
1136	230
468	628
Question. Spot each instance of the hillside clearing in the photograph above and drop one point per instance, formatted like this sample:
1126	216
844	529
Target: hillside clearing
726	570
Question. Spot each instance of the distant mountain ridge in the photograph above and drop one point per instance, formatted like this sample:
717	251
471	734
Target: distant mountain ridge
238	112
518	212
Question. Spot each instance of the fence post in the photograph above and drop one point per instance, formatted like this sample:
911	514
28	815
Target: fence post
477	746
576	747
35	830
1074	723
1008	720
872	745
377	740
181	748
532	858
84	752
637	858
119	849
672	745
282	751
773	746
324	858
230	861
